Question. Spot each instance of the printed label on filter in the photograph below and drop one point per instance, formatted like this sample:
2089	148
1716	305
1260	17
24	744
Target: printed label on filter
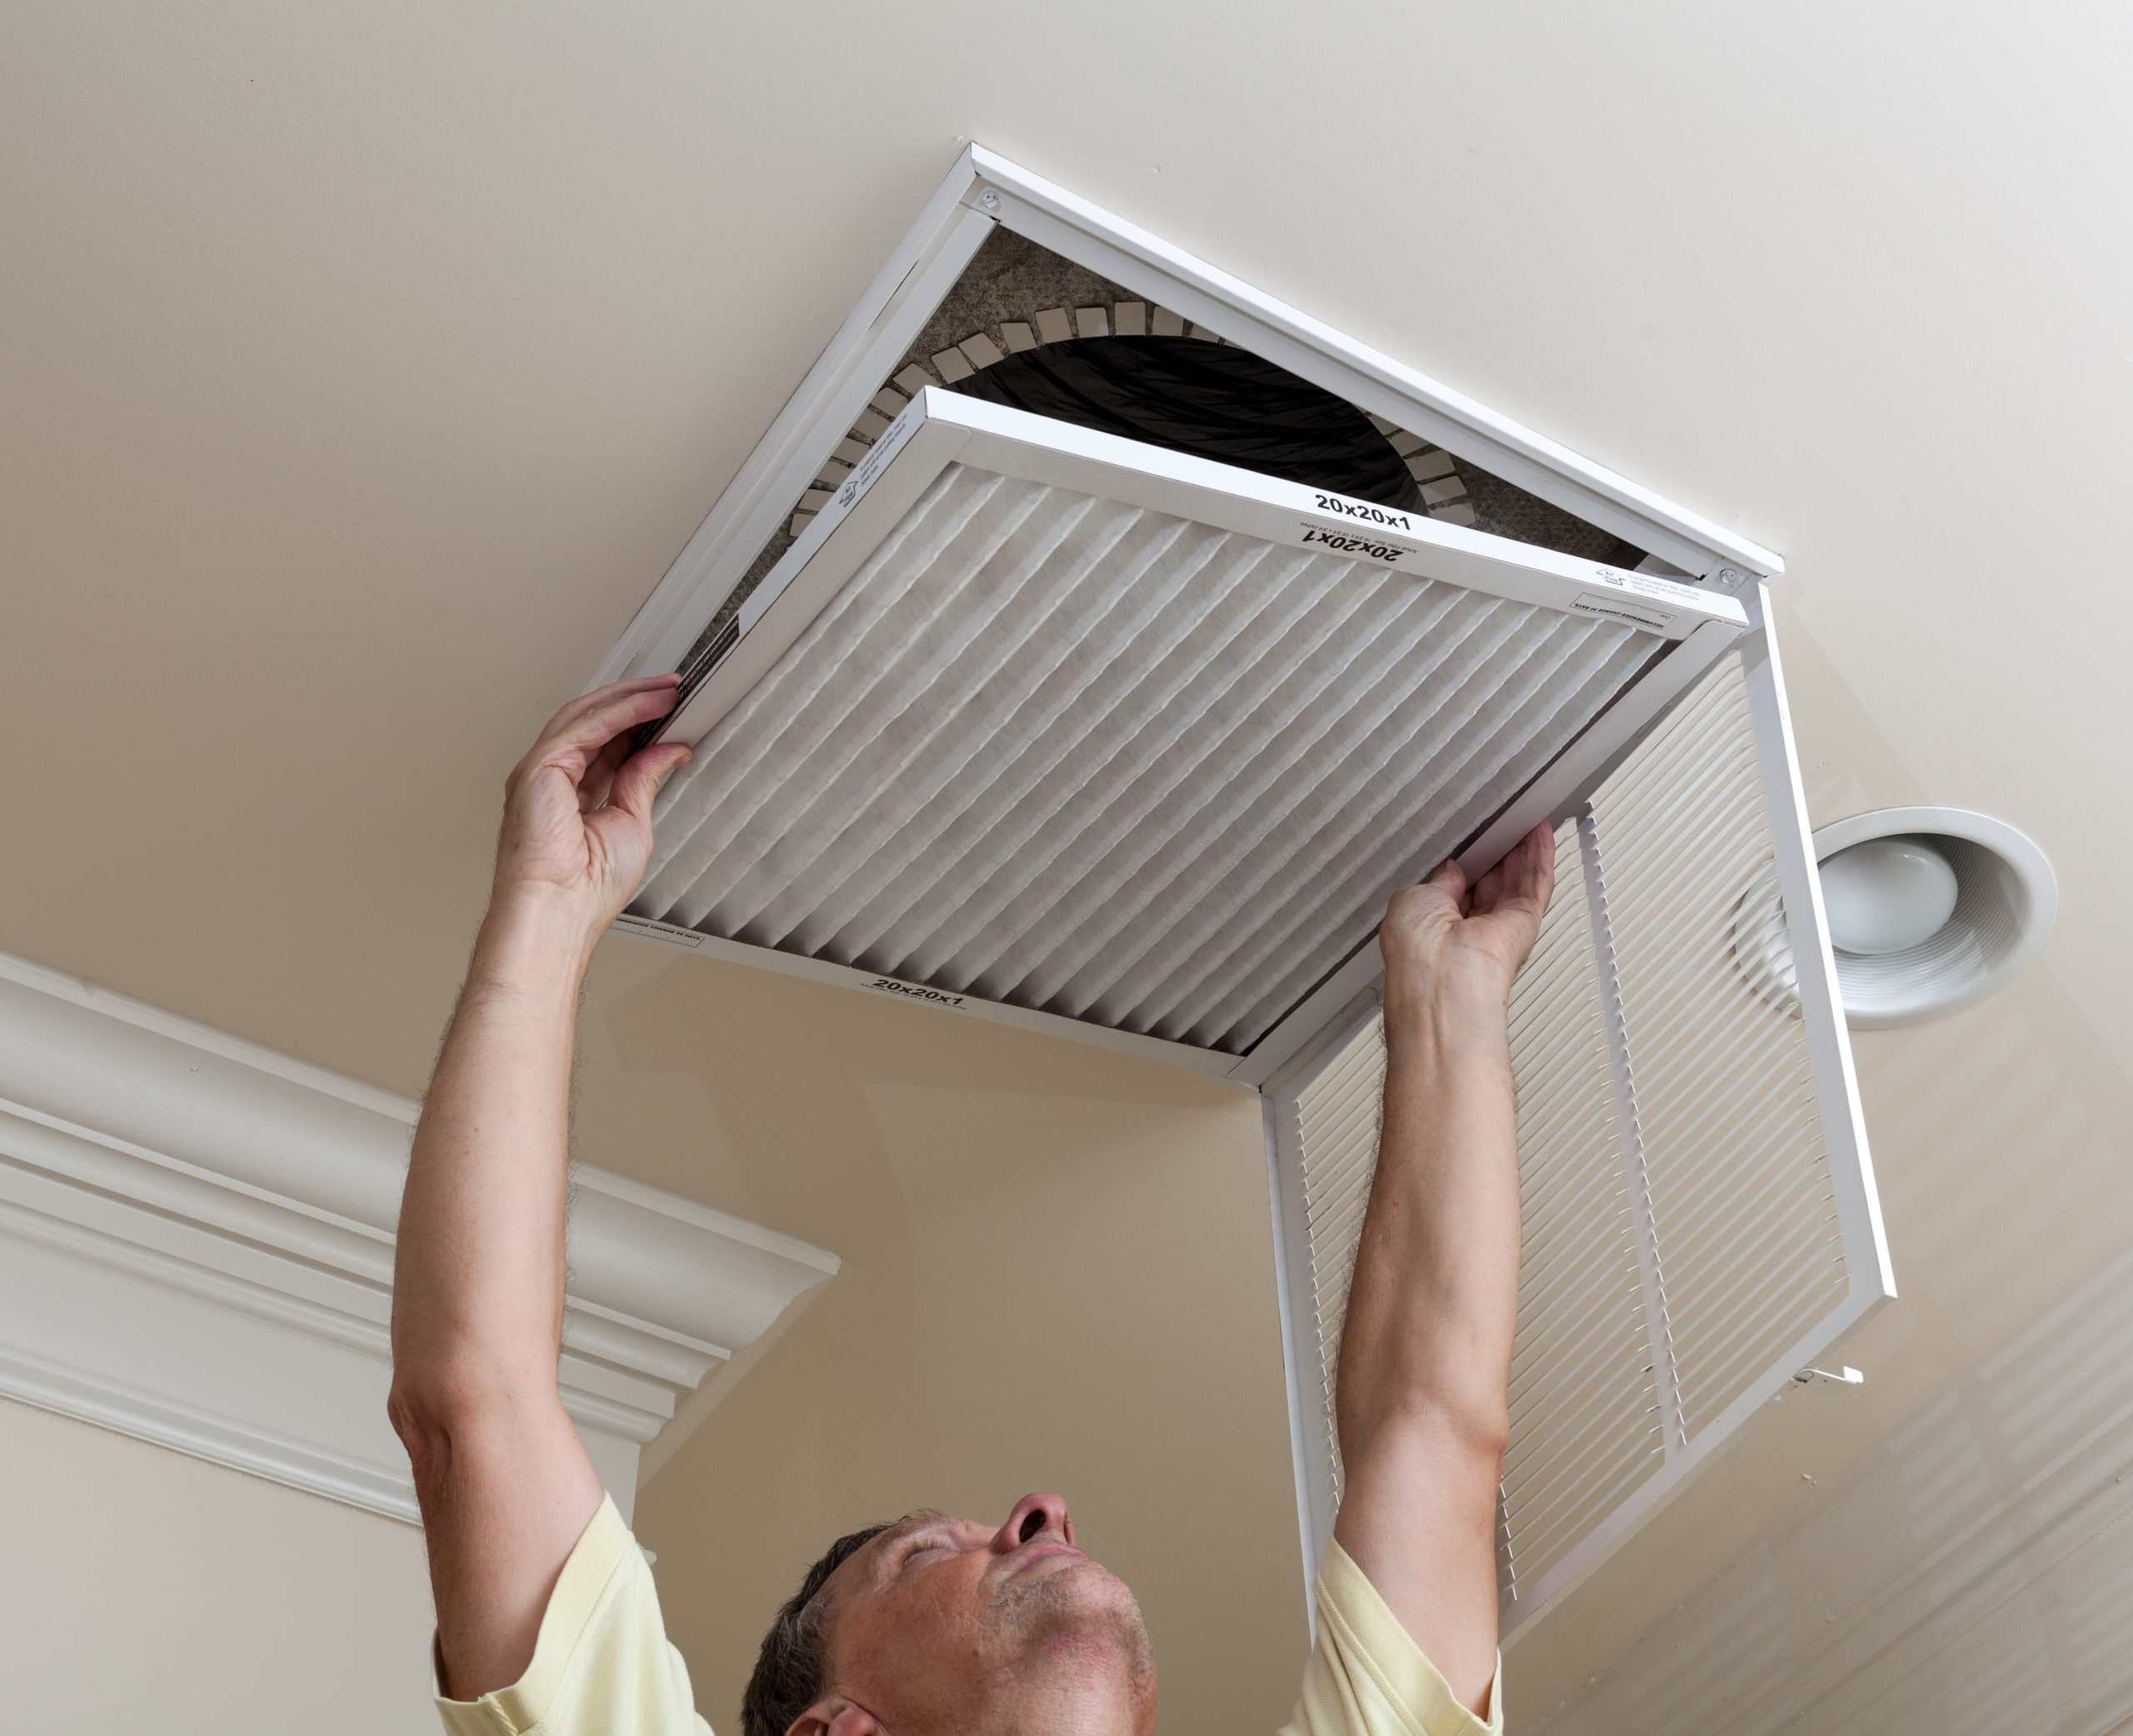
1342	543
665	932
912	991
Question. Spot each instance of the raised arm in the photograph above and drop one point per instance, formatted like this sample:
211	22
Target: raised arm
477	1292
1420	1399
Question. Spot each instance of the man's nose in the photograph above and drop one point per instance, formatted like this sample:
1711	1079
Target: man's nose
1034	1516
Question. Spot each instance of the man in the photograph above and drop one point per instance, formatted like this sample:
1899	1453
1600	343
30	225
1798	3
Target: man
933	1626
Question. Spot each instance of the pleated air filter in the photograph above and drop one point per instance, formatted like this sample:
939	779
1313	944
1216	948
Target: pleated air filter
1052	720
1084	698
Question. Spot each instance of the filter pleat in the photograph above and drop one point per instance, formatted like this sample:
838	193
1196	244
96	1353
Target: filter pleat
1142	607
929	669
1509	741
1021	855
1358	801
785	713
984	825
1274	808
1024	959
1083	756
933	738
1087	853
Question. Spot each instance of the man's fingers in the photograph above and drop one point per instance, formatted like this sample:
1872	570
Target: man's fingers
1451	878
600	775
590	730
1489	888
1530	869
637	783
599	724
1525	876
600	696
1540	864
585	704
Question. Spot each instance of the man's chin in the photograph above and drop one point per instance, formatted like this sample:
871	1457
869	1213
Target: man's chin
1080	1601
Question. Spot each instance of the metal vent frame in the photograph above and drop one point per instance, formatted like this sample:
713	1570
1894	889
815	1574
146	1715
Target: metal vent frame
984	193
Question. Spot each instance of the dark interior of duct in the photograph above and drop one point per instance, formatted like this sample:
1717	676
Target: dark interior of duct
1213	401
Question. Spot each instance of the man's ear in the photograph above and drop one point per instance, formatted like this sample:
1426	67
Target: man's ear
834	1715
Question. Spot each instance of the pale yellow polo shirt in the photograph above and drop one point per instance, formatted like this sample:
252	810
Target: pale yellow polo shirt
602	1666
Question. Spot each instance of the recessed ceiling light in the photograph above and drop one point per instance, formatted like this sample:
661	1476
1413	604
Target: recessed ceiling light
1886	894
1929	909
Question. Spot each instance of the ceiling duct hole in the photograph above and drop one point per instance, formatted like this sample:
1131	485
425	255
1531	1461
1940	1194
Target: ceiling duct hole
1213	401
1016	299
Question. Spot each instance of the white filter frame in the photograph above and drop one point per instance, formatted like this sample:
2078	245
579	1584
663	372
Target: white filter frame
941	428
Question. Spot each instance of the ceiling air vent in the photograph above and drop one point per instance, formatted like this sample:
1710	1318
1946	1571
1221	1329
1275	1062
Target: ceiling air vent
1093	643
1699	1222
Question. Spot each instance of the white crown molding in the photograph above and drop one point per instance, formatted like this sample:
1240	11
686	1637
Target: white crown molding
196	1248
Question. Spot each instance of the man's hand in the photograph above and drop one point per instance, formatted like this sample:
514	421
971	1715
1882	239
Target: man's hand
505	1485
577	809
1419	1399
1450	953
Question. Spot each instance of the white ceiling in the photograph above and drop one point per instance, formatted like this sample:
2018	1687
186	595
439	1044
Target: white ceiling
362	368
1973	1564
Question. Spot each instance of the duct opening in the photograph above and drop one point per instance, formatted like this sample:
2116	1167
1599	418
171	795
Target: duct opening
1017	304
1212	401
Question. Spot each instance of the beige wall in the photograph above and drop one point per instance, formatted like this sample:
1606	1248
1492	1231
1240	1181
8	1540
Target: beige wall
142	1589
1057	1274
1047	1250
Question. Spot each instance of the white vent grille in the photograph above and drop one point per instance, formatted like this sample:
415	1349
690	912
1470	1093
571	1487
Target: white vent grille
1065	751
1585	1413
1682	1238
1738	1169
1337	1121
1585	1424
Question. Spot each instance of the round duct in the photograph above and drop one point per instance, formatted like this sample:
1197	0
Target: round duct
1214	400
1128	367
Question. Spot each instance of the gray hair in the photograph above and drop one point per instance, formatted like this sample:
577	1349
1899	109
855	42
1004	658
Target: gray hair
792	1668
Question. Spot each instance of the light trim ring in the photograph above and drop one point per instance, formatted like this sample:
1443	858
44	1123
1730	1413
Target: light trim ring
2005	901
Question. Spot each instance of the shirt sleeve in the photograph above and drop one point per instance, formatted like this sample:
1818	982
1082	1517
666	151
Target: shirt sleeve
1367	1676
602	1666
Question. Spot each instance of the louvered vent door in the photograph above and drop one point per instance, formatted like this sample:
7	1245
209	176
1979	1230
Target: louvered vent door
1699	1219
1040	720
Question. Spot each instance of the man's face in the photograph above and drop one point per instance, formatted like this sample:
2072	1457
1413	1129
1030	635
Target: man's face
944	1624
